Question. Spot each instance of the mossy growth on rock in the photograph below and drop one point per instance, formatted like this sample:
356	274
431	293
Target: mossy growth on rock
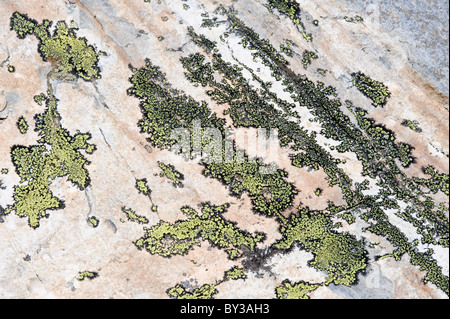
374	90
167	239
340	255
171	173
436	182
201	40
92	220
235	273
57	154
166	109
413	125
22	125
132	216
69	53
142	187
87	274
206	291
289	8
297	290
270	193
307	58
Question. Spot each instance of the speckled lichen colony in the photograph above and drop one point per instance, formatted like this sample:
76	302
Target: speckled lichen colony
237	95
35	164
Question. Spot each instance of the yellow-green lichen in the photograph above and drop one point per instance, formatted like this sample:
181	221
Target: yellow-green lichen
340	255
308	56
269	193
171	173
374	90
87	274
167	239
298	290
22	125
437	181
39	98
235	273
132	216
93	221
290	8
204	292
57	155
69	53
233	254
354	19
413	125
141	185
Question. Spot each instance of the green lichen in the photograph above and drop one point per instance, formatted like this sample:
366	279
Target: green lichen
233	254
132	216
436	182
87	274
210	23
286	48
39	98
165	109
373	144
321	71
204	292
235	273
308	56
290	8
413	125
167	239
348	217
379	225
297	290
201	40
207	291
269	193
22	125
374	90
340	255
93	221
171	173
57	154
70	53
353	19
141	185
